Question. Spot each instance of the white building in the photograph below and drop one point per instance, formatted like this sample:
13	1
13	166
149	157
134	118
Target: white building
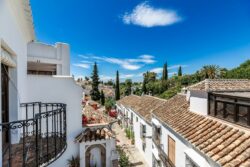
97	147
135	113
41	114
208	126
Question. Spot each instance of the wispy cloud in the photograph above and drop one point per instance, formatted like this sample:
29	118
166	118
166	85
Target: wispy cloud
82	65
157	70
147	16
128	64
177	66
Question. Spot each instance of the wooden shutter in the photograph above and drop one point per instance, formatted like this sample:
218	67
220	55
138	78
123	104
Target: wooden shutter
171	149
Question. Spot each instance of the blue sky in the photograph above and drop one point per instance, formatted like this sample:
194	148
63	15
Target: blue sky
135	36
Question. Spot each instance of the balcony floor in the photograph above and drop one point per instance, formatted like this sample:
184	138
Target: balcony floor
30	154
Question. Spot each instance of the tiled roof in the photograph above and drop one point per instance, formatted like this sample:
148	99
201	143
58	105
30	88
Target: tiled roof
93	135
143	105
222	85
226	145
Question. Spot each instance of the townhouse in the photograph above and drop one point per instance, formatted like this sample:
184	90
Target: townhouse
206	126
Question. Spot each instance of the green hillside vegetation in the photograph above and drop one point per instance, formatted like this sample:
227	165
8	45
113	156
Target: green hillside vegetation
166	87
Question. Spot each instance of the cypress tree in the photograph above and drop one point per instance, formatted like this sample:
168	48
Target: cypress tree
102	98
117	87
179	71
95	93
165	72
144	89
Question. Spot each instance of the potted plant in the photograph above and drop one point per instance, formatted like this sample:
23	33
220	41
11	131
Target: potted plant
74	162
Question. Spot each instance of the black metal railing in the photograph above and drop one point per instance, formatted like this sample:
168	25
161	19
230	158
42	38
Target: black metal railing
37	140
164	157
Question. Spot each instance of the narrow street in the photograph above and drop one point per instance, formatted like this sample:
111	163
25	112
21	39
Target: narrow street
135	157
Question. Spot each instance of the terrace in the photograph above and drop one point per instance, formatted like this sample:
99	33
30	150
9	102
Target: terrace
37	140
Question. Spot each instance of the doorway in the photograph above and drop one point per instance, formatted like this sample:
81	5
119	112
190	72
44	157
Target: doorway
5	103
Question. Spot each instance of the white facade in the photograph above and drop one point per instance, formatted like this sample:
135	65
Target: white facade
182	148
58	55
185	153
16	37
135	124
198	102
110	148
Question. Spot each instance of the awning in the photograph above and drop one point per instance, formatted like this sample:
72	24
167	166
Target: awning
7	59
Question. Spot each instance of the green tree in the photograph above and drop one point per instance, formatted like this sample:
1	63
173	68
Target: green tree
117	87
102	97
241	72
149	76
109	104
210	71
128	87
165	72
180	71
95	93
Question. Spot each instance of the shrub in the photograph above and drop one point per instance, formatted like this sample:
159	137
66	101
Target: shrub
123	160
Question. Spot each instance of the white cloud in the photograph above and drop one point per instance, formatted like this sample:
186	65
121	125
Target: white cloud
128	64
126	76
84	56
86	62
82	65
147	16
176	66
157	70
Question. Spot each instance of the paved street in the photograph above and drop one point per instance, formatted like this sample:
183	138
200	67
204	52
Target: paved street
135	157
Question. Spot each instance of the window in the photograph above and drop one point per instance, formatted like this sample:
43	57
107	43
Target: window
136	119
144	146
190	162
132	120
142	130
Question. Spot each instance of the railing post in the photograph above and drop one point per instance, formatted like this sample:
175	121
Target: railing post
37	138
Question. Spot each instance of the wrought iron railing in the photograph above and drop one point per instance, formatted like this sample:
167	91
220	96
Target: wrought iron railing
37	140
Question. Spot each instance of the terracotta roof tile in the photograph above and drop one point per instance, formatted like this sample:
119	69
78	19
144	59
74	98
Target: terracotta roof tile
222	85
225	145
143	105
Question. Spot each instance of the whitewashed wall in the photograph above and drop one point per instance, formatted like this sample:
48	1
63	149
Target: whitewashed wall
181	148
14	37
109	144
58	54
198	102
61	90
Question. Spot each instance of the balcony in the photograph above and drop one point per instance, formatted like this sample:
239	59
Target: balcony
39	139
164	157
232	107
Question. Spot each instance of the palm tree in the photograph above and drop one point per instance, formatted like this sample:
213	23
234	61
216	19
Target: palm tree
210	71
